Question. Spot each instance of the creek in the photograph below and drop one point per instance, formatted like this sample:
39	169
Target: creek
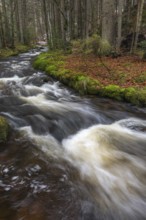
68	157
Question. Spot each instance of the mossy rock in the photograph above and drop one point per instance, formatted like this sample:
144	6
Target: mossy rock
114	92
131	95
84	84
141	95
4	128
92	86
136	96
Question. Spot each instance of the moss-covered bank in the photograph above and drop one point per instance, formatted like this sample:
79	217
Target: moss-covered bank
13	52
4	128
54	63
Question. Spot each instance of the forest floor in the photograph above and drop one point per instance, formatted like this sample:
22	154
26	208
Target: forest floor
123	71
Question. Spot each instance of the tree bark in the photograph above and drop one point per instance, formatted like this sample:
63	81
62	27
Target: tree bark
138	23
108	21
119	25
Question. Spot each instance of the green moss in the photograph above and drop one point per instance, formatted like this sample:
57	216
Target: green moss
49	61
65	76
114	92
4	127
142	97
136	96
131	95
41	64
84	84
92	86
51	68
13	52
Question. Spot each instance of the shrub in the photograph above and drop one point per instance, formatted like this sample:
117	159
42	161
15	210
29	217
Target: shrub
76	46
142	45
92	45
104	48
144	56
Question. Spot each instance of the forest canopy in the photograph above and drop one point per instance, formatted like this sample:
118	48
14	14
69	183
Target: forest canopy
61	21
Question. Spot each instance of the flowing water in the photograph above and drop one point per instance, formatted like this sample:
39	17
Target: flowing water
68	157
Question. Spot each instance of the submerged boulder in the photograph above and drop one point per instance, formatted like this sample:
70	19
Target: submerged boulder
4	127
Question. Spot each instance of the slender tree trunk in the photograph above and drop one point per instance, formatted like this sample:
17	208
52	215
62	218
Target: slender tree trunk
138	23
67	21
2	36
46	18
76	19
5	25
51	29
12	24
119	25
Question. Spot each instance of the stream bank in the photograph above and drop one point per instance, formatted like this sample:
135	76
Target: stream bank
7	52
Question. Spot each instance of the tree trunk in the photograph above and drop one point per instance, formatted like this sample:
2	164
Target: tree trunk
12	24
138	23
108	21
119	25
46	18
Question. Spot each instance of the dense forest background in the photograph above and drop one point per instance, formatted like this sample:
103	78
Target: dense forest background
61	21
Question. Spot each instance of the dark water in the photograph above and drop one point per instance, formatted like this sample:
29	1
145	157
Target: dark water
68	157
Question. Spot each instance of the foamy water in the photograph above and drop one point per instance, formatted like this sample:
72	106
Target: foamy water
112	159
